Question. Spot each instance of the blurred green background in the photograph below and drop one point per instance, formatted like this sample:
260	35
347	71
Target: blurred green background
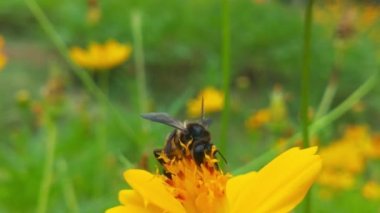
51	119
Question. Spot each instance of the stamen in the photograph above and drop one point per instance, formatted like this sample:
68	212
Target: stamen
199	188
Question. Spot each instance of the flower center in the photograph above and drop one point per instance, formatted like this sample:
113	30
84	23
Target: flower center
200	188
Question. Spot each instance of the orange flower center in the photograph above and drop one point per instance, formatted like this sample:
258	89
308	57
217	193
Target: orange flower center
198	188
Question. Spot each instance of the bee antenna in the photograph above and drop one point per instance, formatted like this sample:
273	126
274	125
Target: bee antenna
203	110
224	159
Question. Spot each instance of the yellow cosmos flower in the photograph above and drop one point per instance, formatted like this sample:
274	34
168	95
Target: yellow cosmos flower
213	102
3	57
278	187
101	56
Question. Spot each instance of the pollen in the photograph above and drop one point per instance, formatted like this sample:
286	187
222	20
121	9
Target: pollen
198	188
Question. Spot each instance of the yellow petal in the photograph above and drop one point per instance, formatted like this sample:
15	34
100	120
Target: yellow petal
152	190
132	202
237	184
281	184
130	197
117	209
128	209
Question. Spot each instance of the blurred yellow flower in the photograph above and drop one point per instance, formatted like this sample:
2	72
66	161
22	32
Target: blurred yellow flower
367	144
101	56
346	157
260	118
275	114
278	187
371	190
342	156
213	102
3	57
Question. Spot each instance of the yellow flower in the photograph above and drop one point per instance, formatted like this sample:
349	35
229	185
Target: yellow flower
343	156
346	157
3	57
101	56
371	190
360	136
278	187
213	102
260	118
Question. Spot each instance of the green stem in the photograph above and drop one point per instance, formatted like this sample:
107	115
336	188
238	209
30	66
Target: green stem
80	73
305	75
338	111
67	187
226	73
47	178
305	85
346	105
139	63
61	47
327	98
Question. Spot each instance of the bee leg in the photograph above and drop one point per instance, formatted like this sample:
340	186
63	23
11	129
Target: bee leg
157	154
167	174
213	152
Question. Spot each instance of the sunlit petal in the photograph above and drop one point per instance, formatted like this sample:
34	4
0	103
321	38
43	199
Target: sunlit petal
129	208
280	185
152	190
133	202
237	184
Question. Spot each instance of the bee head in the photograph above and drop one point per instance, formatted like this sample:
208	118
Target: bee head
195	132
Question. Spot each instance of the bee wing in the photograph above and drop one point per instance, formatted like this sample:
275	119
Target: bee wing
164	118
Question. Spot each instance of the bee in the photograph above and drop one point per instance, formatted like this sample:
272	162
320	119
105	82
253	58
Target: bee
186	137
